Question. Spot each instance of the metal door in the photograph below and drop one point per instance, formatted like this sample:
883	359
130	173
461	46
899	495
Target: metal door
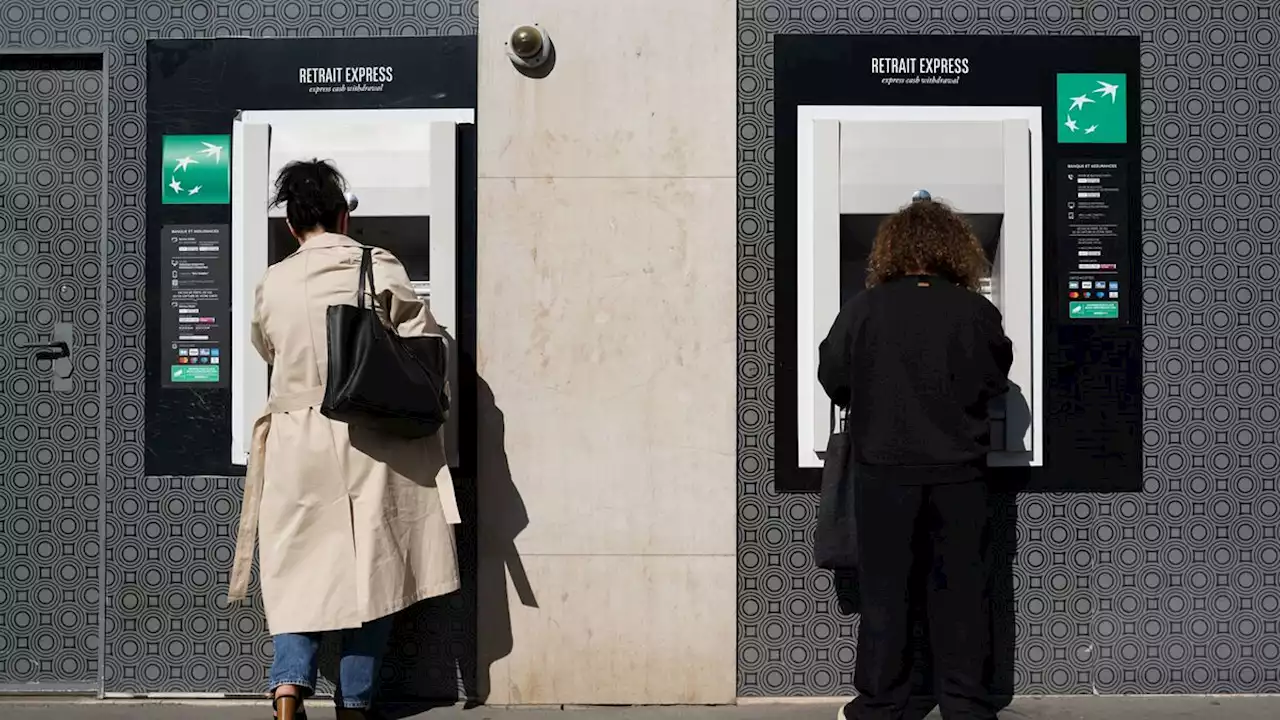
52	153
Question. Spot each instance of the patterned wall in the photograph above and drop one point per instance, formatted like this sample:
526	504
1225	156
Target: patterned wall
169	540
1173	590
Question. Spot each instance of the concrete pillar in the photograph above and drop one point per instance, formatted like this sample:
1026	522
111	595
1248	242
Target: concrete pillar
606	346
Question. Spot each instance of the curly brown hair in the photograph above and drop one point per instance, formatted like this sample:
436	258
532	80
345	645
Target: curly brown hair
927	237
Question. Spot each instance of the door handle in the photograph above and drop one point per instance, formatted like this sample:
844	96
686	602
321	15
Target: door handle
58	352
49	351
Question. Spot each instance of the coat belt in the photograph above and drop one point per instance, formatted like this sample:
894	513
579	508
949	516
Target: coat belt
251	505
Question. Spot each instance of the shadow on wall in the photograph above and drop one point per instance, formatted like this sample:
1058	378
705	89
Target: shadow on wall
442	642
505	518
1003	510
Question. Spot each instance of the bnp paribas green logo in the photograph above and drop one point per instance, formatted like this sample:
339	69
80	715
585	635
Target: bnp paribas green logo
1091	108
197	170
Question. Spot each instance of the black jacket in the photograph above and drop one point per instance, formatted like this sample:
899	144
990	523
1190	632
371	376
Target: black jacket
916	361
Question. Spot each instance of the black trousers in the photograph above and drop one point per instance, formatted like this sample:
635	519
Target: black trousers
941	531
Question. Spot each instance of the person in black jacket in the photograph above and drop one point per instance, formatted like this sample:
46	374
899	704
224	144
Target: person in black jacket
915	359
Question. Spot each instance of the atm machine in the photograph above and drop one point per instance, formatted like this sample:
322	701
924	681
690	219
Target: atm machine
402	166
859	164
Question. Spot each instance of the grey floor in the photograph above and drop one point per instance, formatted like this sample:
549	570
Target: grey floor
1075	708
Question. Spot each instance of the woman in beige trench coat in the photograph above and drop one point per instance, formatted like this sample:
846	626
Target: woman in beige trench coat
354	526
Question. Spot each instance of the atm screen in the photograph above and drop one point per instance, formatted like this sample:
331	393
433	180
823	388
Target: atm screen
408	238
858	234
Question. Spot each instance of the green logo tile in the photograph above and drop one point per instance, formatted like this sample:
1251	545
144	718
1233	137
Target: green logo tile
1091	108
196	170
1094	310
194	373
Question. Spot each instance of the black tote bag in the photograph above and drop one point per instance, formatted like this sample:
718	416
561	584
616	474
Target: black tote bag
835	541
379	379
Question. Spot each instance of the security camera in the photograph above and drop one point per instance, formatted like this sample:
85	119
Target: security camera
353	202
921	195
529	47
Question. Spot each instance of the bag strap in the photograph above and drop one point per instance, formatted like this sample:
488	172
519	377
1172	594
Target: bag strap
366	271
839	419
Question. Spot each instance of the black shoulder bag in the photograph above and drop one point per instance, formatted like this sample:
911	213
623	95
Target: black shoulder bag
835	541
379	379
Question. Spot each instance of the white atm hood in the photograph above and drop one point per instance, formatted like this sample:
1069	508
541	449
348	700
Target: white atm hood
399	162
857	164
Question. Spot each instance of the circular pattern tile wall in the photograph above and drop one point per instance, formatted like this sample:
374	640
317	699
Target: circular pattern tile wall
169	540
1173	590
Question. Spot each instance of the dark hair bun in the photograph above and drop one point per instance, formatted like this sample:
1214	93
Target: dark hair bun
313	193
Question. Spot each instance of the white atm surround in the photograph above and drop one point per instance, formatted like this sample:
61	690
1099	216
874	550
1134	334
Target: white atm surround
974	181
399	162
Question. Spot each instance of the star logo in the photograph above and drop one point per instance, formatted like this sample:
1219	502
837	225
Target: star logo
1107	89
212	151
196	170
1078	103
1084	113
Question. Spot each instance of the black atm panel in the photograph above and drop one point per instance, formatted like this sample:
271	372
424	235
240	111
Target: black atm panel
406	237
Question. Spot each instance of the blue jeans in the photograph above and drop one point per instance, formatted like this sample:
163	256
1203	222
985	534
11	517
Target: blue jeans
295	662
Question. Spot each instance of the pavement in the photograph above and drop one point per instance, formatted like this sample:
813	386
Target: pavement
1028	708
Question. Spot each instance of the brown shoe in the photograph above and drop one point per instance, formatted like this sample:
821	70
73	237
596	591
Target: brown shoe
288	707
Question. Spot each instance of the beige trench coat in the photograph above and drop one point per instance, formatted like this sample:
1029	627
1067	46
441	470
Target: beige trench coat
353	525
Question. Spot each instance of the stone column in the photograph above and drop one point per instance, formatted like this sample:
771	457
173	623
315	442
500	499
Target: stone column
606	334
